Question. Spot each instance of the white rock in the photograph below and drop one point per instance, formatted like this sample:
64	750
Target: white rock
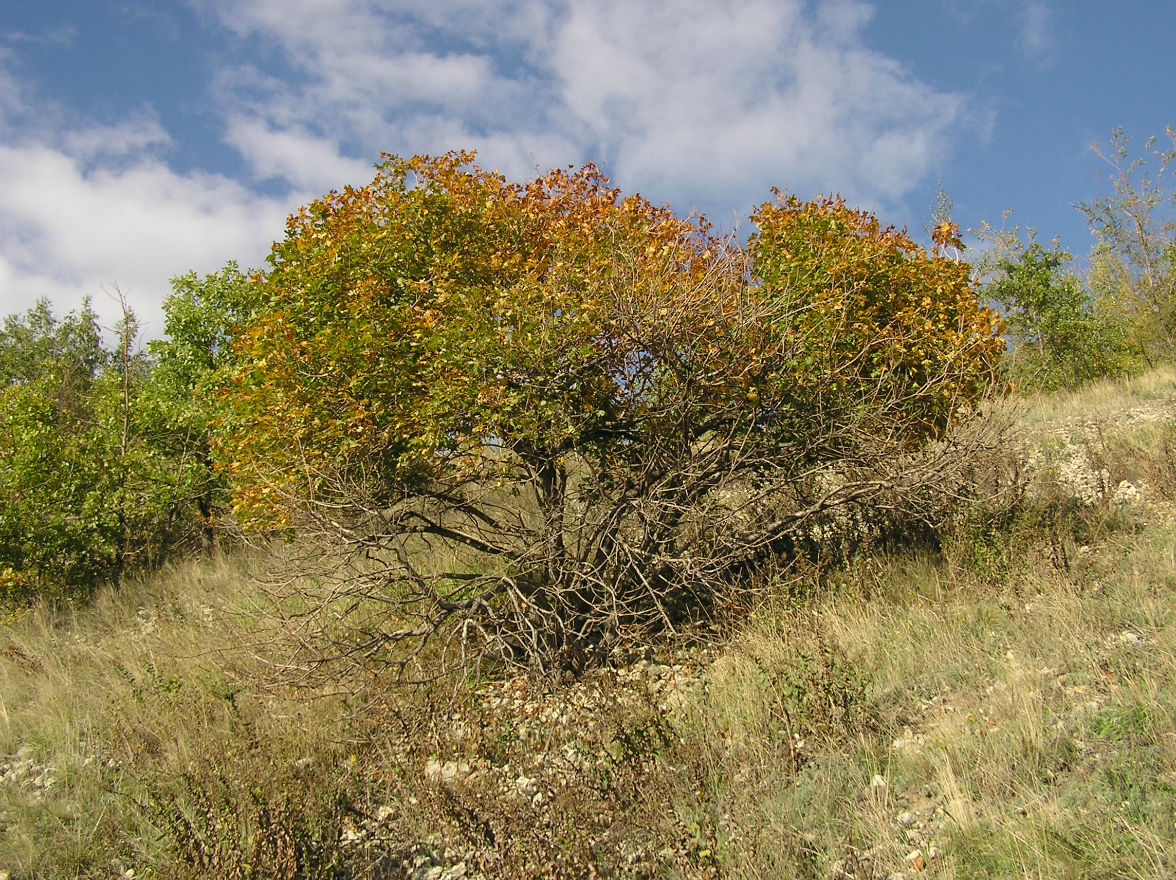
446	772
908	740
1125	493
526	787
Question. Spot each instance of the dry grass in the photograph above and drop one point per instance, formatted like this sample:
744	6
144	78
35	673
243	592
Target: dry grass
1011	697
1108	398
110	711
1003	706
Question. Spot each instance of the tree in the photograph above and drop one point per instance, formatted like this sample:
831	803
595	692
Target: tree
52	523
1132	266
104	465
38	345
531	419
1061	336
942	228
202	315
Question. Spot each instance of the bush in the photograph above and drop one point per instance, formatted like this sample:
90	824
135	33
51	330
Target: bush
217	824
58	455
1132	264
104	456
535	419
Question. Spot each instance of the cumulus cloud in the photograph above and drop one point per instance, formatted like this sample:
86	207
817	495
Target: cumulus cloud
728	99
702	103
310	163
90	208
70	231
141	133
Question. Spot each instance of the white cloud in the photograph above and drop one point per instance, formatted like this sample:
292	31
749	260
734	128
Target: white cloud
1032	23
706	103
310	163
1036	37
141	133
69	232
88	208
14	104
723	100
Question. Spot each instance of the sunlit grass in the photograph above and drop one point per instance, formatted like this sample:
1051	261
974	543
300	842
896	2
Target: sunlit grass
106	702
1001	707
1103	398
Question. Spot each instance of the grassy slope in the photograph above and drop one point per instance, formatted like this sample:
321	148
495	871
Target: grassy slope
1002	708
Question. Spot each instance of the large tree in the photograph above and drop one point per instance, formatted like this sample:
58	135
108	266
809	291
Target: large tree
536	417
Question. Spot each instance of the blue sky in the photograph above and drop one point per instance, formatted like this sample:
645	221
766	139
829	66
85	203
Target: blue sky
142	140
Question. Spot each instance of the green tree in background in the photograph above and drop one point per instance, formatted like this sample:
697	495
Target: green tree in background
202	314
37	345
105	464
1061	337
54	522
1133	263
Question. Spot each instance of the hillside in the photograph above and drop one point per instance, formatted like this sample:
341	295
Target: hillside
999	705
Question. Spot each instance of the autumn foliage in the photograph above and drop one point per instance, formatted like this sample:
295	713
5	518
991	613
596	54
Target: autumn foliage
877	317
546	415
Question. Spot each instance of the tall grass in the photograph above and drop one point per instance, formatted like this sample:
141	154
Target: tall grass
999	706
110	711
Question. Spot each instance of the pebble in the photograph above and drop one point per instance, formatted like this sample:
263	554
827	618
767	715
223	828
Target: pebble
526	787
909	739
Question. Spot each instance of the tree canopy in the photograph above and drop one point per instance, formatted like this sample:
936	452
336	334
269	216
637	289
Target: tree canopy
105	461
1062	335
591	411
